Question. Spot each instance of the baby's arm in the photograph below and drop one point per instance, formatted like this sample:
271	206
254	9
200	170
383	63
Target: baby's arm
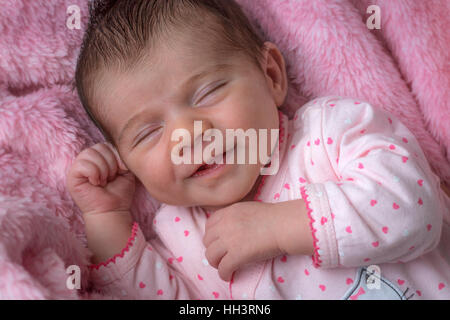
384	206
139	271
103	189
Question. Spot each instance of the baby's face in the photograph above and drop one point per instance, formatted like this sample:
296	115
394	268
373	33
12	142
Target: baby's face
165	94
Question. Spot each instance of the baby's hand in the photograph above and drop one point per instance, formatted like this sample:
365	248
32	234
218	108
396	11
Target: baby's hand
253	231
241	233
99	182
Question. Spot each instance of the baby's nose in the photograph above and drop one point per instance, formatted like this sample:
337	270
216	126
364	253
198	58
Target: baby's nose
187	136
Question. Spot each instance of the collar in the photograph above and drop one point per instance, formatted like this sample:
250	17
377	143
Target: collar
278	154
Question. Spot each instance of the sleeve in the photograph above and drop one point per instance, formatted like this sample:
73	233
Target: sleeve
140	272
383	206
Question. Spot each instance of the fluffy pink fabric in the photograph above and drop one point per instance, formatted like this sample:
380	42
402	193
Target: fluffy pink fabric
403	68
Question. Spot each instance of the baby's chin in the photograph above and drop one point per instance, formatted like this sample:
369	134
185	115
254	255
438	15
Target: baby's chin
212	200
217	200
238	186
207	199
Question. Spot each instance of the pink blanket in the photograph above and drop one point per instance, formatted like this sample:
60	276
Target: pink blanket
403	68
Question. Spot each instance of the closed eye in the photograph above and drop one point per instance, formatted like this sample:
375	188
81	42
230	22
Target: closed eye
149	134
210	92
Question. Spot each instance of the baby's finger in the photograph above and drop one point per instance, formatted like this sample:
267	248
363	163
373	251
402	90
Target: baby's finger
211	235
98	159
227	266
214	253
86	169
214	218
120	163
109	157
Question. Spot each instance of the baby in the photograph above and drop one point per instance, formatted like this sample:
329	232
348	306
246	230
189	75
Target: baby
353	190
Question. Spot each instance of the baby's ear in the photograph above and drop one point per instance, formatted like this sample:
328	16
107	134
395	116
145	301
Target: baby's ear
274	68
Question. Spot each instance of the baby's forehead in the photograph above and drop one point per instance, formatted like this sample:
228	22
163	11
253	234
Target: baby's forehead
207	41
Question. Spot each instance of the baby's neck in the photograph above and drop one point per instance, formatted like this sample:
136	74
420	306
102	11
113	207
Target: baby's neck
249	197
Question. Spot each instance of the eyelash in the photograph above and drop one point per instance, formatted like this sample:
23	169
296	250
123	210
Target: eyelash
145	136
210	91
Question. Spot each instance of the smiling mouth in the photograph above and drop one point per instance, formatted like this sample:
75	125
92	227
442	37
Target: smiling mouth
205	169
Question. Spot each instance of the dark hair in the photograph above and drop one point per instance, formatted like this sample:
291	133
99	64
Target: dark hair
119	31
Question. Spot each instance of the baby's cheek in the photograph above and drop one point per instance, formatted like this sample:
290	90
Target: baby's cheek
161	191
157	179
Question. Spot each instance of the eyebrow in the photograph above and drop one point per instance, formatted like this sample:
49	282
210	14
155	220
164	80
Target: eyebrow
137	117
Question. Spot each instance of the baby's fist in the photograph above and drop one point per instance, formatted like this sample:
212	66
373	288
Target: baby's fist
99	182
240	234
